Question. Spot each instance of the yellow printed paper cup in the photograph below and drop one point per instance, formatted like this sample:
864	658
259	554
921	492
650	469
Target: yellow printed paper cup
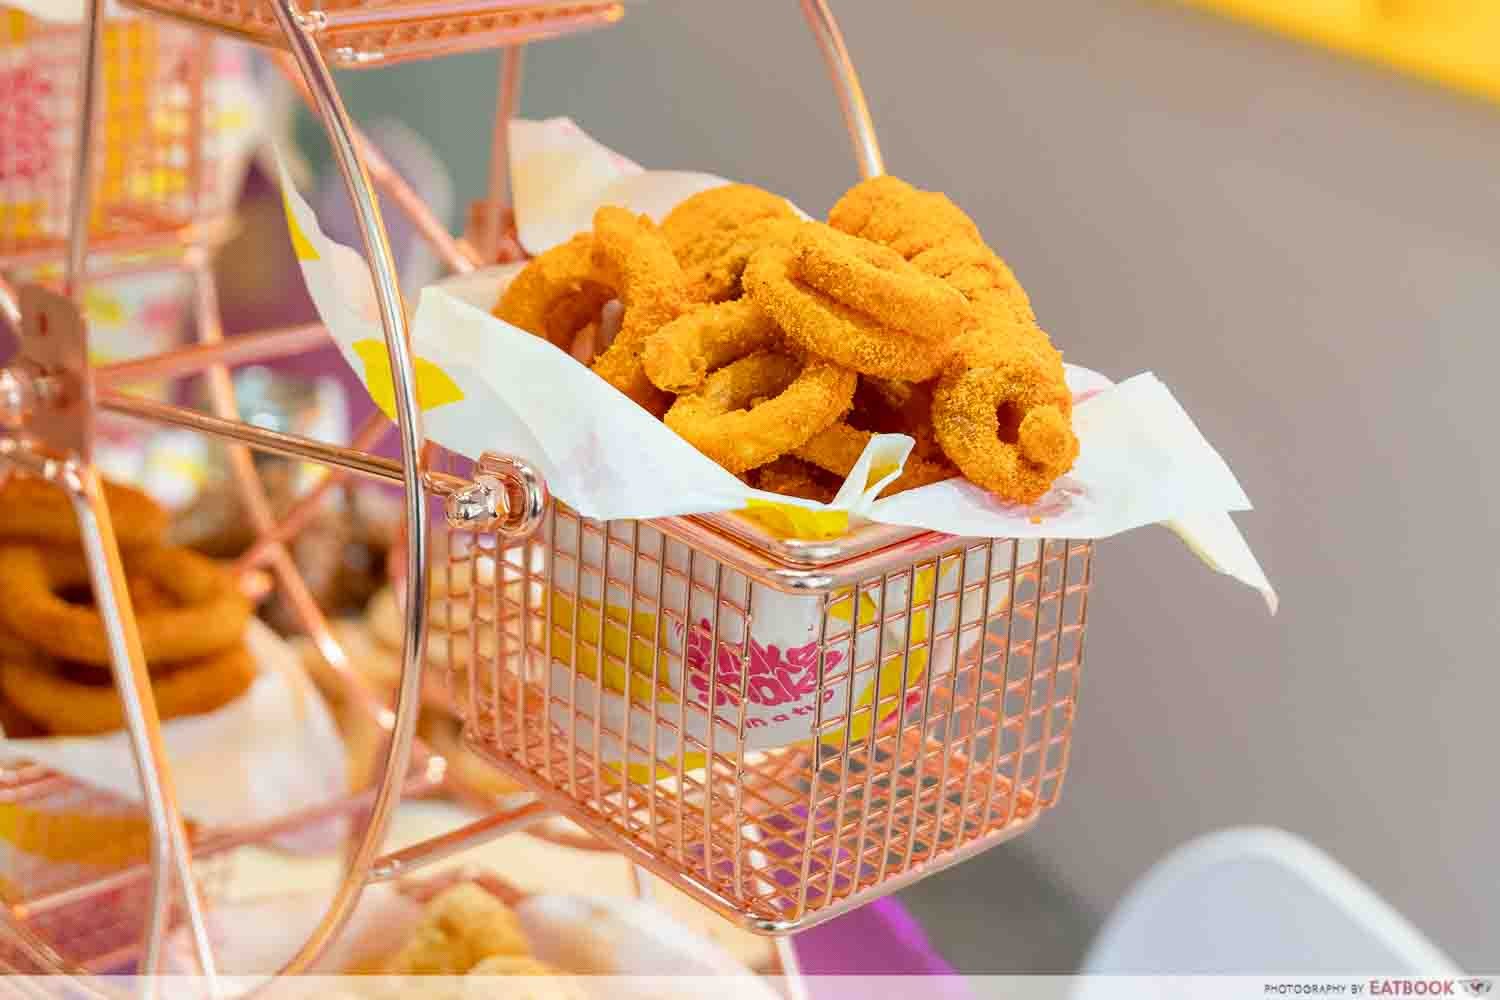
703	642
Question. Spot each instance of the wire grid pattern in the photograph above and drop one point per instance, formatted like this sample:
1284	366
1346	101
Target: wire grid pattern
932	722
60	844
154	170
355	33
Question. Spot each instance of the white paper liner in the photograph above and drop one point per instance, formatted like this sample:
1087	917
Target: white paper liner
268	753
487	386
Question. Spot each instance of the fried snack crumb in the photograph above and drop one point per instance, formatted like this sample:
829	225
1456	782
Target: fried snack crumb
463	926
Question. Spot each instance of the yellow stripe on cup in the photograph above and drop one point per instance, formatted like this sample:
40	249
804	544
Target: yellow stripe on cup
435	387
12	27
580	650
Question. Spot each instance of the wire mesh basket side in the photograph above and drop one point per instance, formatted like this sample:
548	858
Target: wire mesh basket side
857	738
154	172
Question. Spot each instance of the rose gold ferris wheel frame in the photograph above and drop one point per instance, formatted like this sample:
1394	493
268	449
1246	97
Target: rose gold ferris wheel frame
503	500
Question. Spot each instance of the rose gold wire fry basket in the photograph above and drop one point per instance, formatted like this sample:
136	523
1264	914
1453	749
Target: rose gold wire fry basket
154	176
364	33
885	705
781	729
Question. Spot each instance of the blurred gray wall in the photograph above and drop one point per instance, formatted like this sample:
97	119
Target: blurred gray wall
1305	249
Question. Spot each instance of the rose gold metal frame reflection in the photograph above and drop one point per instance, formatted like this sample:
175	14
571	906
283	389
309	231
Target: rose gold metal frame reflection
503	498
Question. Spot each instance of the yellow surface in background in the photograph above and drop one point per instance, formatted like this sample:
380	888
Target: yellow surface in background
1452	42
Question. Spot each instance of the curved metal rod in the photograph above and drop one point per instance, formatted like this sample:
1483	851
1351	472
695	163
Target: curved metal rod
497	208
846	81
80	206
170	853
336	121
169	844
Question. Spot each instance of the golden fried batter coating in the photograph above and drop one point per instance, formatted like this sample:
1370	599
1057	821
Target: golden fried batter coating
703	227
66	707
34	510
632	257
978	273
720	279
877	281
761	407
1001	426
837	447
891	211
792	477
705	338
557	293
207	616
462	927
819	325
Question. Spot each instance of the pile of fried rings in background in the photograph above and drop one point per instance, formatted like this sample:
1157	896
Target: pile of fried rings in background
54	655
777	346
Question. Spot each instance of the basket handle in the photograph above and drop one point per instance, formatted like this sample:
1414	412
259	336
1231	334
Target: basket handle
846	83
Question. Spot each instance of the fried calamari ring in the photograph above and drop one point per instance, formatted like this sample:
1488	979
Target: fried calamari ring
721	278
837	447
992	344
557	293
679	355
890	211
878	282
208	617
34	510
829	329
792	477
632	257
979	274
1006	325
703	227
1002	428
796	400
67	707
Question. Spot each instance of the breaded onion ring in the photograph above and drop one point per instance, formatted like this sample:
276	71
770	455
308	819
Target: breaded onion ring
721	278
1001	426
557	293
632	257
878	282
837	447
829	329
979	274
796	400
703	227
66	707
209	615
890	211
1006	324
34	510
792	477
679	355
